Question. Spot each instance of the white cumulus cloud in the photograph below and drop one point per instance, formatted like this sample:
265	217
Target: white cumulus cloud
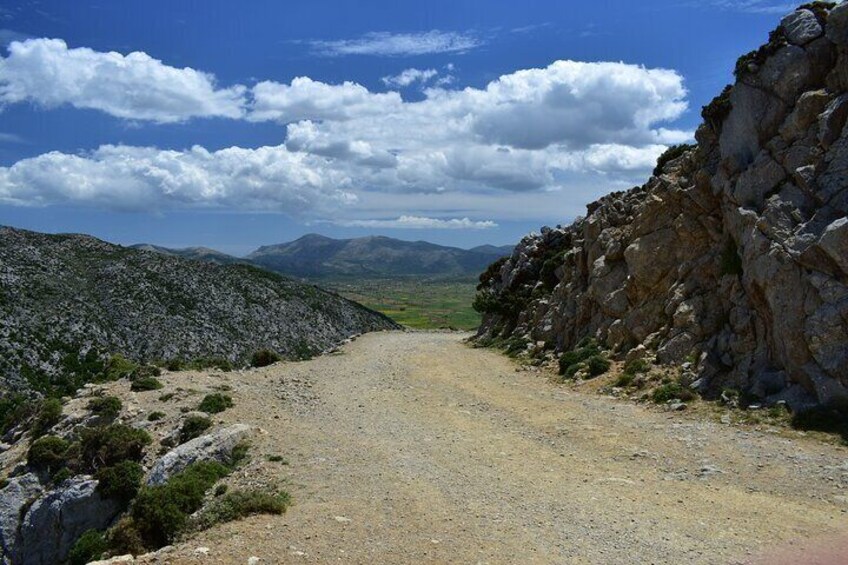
408	76
567	131
133	86
307	99
146	178
421	222
399	44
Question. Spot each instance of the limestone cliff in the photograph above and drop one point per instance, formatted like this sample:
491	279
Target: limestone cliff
734	256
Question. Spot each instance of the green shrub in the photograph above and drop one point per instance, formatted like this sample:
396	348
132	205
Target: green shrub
106	406
263	358
118	367
120	481
193	426
161	512
174	364
718	109
166	397
15	409
239	454
635	366
585	349
145	371
201	363
49	414
48	453
155	416
61	476
776	40
492	273
624	380
124	538
109	445
666	392
89	547
215	403
240	504
278	459
571	370
597	365
670	154
145	383
221	489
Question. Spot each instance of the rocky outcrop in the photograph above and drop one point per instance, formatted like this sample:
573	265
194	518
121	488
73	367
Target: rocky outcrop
55	521
735	257
14	499
68	301
216	446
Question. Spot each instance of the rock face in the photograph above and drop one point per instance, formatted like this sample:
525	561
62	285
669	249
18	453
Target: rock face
14	498
54	522
216	446
66	300
735	257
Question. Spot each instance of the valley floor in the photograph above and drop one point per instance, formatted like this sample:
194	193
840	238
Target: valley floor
413	447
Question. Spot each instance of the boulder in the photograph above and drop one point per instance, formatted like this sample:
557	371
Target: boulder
215	446
57	519
834	242
14	497
837	24
801	27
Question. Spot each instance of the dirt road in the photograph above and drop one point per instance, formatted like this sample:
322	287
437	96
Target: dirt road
414	447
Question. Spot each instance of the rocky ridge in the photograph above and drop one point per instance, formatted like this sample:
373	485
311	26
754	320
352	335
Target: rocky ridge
733	257
68	301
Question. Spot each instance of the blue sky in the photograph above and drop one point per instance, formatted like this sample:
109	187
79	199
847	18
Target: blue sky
233	125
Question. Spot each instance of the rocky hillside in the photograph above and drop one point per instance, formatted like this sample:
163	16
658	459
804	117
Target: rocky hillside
196	253
315	255
733	257
69	301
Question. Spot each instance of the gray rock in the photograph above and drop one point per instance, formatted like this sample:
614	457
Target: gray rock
215	446
801	27
736	254
14	497
760	178
56	520
837	24
834	242
832	120
806	111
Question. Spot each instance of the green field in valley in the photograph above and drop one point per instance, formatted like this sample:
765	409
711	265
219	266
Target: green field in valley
415	302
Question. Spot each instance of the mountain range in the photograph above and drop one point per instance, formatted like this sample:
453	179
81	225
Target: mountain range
317	256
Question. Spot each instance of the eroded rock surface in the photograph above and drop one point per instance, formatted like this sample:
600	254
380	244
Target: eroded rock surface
735	257
215	446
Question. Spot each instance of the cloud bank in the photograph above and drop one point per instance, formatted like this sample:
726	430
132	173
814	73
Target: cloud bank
570	127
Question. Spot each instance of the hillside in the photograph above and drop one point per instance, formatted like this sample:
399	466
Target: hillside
68	301
732	262
318	256
196	253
